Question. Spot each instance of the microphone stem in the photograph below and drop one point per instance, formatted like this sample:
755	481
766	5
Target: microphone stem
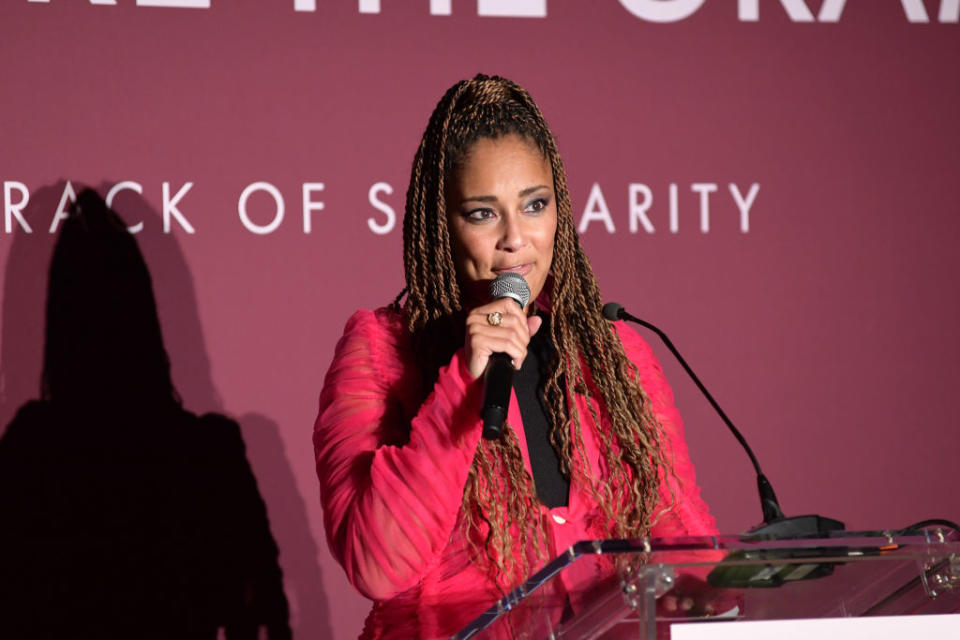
771	508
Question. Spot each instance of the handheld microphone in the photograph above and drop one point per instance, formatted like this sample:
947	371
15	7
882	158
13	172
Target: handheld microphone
775	525
498	377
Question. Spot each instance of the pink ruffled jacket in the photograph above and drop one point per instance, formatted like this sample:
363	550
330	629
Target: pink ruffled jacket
392	472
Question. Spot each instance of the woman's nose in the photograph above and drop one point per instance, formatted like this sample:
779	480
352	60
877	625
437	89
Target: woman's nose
511	237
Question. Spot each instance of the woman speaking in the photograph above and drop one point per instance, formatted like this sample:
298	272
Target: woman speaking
429	519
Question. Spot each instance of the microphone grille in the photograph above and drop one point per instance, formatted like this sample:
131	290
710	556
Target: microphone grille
510	285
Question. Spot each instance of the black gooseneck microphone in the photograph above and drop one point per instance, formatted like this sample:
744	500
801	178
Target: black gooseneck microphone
775	525
498	377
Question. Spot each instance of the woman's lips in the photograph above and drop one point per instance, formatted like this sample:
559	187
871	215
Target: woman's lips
522	269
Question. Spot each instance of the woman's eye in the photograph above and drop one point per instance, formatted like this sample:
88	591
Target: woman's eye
537	205
480	215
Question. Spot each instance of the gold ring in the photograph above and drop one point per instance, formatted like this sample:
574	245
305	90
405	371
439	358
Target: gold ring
493	319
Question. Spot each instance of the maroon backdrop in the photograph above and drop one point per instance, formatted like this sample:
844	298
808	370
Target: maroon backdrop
775	185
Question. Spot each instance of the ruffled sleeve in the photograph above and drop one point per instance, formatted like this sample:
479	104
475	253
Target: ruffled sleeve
391	485
689	515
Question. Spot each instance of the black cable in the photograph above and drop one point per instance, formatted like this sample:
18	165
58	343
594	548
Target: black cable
923	524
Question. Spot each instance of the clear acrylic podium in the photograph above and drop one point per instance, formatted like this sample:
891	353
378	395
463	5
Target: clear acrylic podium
848	574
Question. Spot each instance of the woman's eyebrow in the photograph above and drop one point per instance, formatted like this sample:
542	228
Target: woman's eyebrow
481	198
523	193
530	190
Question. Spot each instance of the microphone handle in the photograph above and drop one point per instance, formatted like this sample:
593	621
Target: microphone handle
497	383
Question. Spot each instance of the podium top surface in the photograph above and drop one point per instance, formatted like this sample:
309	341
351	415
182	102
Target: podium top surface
844	574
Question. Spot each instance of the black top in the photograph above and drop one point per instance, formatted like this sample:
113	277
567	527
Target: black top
552	486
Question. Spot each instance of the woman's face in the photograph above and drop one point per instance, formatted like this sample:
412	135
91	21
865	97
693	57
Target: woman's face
502	216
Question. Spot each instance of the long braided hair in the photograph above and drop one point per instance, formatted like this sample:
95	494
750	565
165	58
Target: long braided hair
501	513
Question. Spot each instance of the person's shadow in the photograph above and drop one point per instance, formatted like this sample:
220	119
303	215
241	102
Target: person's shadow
288	520
25	291
124	515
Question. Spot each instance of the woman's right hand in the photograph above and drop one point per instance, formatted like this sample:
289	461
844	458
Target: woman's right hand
511	336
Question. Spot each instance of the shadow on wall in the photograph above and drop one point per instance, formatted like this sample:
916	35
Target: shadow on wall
24	299
288	520
125	515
